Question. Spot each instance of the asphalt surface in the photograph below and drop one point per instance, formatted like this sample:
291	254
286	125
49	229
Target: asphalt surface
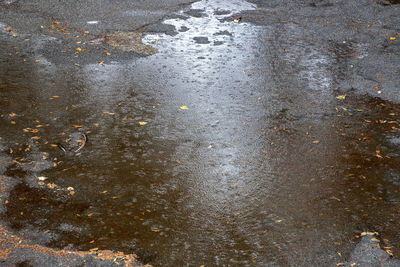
232	133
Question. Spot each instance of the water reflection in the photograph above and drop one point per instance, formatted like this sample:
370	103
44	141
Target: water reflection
248	174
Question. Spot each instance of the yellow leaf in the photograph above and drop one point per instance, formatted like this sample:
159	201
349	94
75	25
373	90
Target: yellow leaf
77	126
156	230
341	97
183	107
124	118
79	49
12	114
388	251
392	38
55	96
315	142
12	122
368	233
90	215
51	185
142	123
101	63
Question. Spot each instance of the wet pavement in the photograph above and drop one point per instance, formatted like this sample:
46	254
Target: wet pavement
177	132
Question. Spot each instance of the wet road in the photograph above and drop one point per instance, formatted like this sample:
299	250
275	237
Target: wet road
269	142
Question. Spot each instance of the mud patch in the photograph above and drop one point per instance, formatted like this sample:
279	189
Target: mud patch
130	42
14	251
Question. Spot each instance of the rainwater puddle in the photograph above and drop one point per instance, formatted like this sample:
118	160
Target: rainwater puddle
265	166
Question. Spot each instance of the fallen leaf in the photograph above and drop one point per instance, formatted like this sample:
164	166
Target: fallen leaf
8	30
341	97
101	63
77	126
12	115
368	233
183	107
42	178
388	251
392	38
51	185
56	22
156	230
315	142
237	20
12	122
142	123
70	188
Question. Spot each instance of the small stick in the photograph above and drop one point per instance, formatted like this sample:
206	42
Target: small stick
62	148
83	143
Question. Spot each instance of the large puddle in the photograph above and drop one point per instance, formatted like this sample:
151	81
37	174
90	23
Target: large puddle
228	147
